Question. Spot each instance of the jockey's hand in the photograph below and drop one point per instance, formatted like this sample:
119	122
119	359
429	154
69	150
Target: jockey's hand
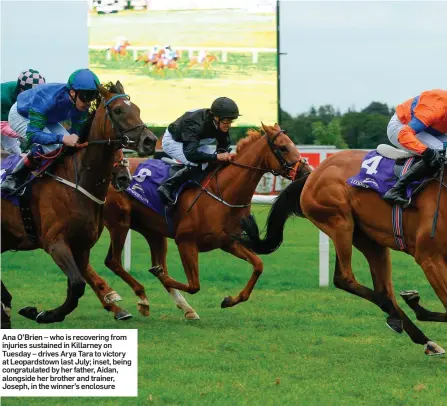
433	158
70	140
226	157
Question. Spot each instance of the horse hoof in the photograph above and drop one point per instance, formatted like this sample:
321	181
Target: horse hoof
45	317
431	348
409	295
156	270
395	324
122	315
227	302
29	312
143	307
192	316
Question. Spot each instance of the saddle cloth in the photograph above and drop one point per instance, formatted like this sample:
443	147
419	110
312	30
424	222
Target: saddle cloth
148	176
7	165
381	174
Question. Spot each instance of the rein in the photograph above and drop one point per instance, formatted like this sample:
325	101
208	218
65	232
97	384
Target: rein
289	167
122	140
292	167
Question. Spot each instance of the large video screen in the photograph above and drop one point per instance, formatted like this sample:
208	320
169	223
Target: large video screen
172	60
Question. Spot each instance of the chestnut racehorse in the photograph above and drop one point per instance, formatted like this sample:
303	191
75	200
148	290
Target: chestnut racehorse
69	220
122	51
208	225
359	217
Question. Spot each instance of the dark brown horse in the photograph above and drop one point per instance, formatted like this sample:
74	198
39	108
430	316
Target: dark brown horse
209	225
69	220
359	217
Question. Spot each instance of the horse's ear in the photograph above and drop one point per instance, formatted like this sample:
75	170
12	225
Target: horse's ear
119	87
264	127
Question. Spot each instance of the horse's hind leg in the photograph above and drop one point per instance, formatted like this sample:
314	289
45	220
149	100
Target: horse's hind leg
379	261
118	234
106	295
6	307
159	248
189	254
241	252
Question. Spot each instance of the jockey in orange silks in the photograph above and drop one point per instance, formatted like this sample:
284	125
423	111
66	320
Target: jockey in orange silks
419	126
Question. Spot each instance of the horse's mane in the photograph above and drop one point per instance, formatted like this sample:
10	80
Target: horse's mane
252	136
85	128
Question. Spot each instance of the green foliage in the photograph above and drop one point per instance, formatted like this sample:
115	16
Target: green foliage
325	125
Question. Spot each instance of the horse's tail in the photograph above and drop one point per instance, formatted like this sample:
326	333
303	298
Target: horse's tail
285	205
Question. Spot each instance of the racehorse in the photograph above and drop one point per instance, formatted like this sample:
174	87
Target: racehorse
206	62
68	220
204	226
121	52
160	64
359	217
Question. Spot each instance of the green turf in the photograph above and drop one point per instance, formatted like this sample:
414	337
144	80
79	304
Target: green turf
323	346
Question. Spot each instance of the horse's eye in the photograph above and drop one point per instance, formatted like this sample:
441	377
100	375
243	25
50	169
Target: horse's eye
283	148
117	110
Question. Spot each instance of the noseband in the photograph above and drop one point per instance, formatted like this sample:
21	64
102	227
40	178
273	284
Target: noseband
290	169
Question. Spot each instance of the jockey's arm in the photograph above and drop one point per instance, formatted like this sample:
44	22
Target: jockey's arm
192	153
35	133
424	117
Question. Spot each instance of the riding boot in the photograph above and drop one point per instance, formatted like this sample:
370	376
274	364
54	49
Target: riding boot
170	187
397	194
19	175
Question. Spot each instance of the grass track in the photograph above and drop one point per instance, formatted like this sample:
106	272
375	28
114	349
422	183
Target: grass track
326	347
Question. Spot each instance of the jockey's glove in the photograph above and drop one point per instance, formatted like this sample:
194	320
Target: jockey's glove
433	158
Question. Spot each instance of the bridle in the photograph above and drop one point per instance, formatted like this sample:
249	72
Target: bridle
290	170
122	139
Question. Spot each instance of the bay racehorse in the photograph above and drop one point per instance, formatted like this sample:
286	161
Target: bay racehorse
359	217
209	224
68	220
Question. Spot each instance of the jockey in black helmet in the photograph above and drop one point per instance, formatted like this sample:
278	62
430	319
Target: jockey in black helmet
188	141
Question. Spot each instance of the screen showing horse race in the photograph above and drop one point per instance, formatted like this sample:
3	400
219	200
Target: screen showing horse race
174	56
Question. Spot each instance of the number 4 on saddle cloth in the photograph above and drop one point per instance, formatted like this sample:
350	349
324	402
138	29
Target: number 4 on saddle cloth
380	171
149	175
382	168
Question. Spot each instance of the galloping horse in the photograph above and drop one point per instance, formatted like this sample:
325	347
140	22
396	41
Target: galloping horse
68	220
121	52
204	226
206	62
355	216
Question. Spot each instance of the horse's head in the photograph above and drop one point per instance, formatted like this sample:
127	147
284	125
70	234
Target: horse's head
124	116
285	159
121	177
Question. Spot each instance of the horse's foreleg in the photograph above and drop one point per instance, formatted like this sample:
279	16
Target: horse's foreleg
434	265
241	252
190	257
118	234
6	307
63	257
159	248
106	295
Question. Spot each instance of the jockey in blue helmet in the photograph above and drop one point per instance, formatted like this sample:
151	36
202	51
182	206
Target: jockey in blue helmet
38	112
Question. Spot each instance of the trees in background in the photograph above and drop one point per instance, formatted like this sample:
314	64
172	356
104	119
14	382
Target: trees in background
327	126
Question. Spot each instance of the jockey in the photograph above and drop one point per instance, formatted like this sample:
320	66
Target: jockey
188	140
9	92
169	55
419	126
38	112
119	42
